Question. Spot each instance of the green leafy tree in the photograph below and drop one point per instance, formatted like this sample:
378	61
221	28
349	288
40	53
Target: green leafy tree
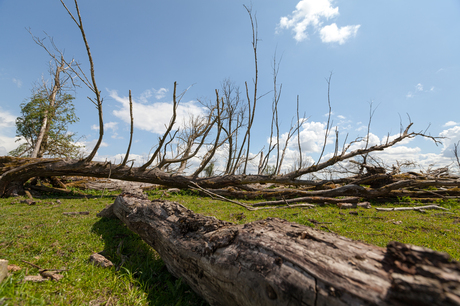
57	140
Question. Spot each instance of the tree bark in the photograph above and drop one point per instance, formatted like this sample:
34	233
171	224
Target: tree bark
275	262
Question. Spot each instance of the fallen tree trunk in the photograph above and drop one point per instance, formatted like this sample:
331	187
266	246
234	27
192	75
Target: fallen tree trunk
275	262
15	172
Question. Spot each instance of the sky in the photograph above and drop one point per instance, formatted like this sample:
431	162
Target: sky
400	56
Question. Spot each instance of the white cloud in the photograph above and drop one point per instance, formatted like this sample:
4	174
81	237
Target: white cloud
311	137
111	126
451	137
87	146
332	33
143	98
8	141
8	144
450	123
7	120
422	161
17	82
418	88
159	94
107	126
307	13
311	13
344	124
154	117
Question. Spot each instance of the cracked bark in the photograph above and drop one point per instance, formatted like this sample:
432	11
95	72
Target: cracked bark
275	262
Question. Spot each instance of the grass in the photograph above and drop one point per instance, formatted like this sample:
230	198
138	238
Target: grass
41	234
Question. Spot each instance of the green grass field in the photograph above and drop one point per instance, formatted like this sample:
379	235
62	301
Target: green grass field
42	235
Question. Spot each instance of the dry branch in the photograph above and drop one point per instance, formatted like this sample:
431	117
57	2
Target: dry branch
125	160
275	262
354	205
211	194
74	213
418	208
310	199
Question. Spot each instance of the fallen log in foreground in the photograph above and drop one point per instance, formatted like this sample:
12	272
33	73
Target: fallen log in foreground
275	262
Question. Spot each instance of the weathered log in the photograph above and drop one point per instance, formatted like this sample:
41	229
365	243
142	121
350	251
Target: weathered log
14	172
275	262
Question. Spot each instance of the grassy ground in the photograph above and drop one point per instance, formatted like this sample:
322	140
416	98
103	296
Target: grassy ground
41	234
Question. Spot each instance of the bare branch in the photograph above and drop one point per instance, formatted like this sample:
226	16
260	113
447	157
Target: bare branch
329	124
417	208
165	135
131	130
275	121
298	135
255	40
208	157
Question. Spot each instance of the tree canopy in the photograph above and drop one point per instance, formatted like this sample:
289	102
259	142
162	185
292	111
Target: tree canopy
58	141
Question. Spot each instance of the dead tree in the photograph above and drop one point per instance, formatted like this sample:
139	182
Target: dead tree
15	172
275	262
233	119
251	107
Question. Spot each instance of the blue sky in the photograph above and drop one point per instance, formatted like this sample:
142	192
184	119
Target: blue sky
403	56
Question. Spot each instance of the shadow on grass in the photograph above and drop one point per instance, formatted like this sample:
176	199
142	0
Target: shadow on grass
143	265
